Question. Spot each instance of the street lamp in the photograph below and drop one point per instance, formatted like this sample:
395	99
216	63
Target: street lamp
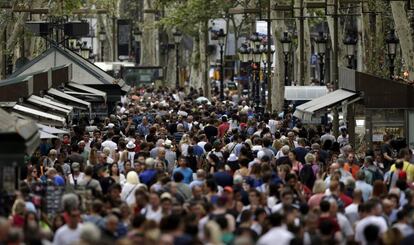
286	45
177	40
102	38
244	56
84	51
255	42
321	49
392	44
266	75
221	38
137	37
350	44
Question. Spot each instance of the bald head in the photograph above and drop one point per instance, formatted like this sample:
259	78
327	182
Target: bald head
201	174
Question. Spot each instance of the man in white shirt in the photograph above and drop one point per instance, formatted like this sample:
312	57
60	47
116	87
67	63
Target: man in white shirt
69	233
363	186
373	209
110	144
278	234
351	211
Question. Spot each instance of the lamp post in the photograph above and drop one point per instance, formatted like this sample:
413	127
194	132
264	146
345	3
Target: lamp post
102	38
350	44
137	37
266	74
221	37
244	56
321	49
84	51
177	40
255	41
286	45
392	44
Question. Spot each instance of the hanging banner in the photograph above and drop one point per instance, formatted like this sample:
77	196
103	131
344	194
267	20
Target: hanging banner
124	39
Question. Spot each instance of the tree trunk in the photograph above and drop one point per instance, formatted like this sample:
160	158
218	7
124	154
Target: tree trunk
403	30
195	75
149	38
306	46
278	80
171	63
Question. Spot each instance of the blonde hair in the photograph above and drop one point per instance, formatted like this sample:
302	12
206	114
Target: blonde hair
19	207
310	158
132	178
319	187
213	233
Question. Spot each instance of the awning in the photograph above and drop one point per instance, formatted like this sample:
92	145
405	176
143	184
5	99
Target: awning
37	113
50	130
44	135
87	89
60	94
304	93
306	110
38	101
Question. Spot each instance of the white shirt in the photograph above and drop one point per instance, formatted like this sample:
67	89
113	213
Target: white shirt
66	236
111	145
155	215
365	188
202	144
351	213
272	126
128	193
78	178
370	220
276	235
345	225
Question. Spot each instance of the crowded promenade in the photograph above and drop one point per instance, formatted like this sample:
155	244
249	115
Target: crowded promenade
165	169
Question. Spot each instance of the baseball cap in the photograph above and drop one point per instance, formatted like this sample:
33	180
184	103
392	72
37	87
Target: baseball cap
166	195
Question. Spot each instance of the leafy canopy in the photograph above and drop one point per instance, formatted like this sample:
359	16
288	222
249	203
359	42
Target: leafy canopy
188	15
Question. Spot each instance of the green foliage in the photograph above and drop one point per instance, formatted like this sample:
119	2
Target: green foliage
64	7
187	15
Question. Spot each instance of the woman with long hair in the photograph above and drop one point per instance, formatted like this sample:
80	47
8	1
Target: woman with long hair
115	174
93	157
184	144
32	176
296	165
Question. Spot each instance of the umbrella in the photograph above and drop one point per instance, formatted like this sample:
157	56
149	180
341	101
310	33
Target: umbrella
44	135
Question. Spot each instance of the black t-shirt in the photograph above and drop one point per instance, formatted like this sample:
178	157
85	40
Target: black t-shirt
210	131
386	148
106	182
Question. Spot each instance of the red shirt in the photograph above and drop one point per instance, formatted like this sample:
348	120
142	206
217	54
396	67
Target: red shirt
346	199
223	128
333	223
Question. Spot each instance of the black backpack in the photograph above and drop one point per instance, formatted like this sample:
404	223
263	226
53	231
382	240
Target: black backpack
306	175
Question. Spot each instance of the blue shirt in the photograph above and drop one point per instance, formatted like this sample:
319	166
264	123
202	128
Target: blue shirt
187	173
143	129
148	176
198	151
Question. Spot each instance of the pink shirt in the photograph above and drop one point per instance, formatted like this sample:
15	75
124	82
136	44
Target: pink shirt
315	200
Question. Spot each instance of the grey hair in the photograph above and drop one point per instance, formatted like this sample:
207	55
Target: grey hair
70	201
90	234
285	150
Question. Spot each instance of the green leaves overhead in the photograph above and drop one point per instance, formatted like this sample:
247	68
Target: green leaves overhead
187	15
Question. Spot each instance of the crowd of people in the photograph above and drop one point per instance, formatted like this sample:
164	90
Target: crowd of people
163	169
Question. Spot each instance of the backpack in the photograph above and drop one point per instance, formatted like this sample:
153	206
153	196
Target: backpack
307	176
376	175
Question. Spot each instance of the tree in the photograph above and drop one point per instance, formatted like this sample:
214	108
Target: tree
404	31
191	17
